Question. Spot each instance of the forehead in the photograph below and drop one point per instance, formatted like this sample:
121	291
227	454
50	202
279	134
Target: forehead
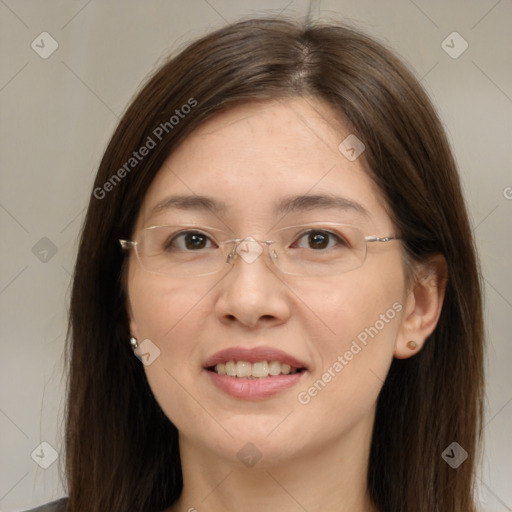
301	131
253	156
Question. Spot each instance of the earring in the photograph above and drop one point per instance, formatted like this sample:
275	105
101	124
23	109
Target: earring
133	343
412	344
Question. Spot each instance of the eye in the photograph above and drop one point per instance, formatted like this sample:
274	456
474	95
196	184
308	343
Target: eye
318	239
189	241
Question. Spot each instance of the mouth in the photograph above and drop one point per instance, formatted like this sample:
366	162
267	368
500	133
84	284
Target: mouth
254	374
257	370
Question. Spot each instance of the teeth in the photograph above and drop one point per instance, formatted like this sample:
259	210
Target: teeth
231	369
274	368
243	369
259	370
285	368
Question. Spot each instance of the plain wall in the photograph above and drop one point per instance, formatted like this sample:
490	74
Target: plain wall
58	113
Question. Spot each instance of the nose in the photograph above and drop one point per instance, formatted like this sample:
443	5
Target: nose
252	292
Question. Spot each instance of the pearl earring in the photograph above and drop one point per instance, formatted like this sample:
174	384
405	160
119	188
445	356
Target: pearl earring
412	344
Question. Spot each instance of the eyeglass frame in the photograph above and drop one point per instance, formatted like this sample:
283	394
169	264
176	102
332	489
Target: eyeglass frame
230	257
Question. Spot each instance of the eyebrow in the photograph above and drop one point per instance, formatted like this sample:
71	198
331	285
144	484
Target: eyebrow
189	203
319	202
286	205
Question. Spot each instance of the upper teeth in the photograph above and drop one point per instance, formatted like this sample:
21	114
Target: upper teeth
259	370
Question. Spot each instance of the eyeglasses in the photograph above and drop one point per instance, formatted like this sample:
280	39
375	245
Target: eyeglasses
316	249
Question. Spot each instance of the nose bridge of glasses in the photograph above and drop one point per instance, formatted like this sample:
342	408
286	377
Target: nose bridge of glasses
249	249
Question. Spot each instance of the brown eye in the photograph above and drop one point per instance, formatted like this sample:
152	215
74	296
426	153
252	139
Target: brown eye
319	239
189	241
195	241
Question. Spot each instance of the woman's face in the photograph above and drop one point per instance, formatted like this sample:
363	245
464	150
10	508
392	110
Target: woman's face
340	329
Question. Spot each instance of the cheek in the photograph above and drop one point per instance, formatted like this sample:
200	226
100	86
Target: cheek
361	305
160	304
171	314
363	313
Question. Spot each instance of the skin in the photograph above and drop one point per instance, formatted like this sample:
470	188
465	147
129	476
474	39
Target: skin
314	455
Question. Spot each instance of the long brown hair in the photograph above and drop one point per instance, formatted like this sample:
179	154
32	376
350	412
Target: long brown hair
122	451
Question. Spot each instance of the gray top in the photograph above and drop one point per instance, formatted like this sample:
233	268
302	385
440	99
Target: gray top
54	506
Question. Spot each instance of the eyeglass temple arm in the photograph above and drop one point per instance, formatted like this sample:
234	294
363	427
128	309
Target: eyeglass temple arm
126	244
381	239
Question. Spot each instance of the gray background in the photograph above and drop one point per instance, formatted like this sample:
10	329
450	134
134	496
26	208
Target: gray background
58	113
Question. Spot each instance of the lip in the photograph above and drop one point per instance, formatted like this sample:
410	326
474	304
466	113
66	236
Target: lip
254	389
253	355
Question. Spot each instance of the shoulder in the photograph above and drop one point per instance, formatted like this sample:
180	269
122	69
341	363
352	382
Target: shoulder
54	506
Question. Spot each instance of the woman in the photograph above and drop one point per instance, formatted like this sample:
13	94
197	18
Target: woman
276	302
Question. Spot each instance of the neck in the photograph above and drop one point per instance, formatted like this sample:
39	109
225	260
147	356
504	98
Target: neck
327	478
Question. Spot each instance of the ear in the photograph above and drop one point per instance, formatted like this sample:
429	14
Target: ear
423	306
